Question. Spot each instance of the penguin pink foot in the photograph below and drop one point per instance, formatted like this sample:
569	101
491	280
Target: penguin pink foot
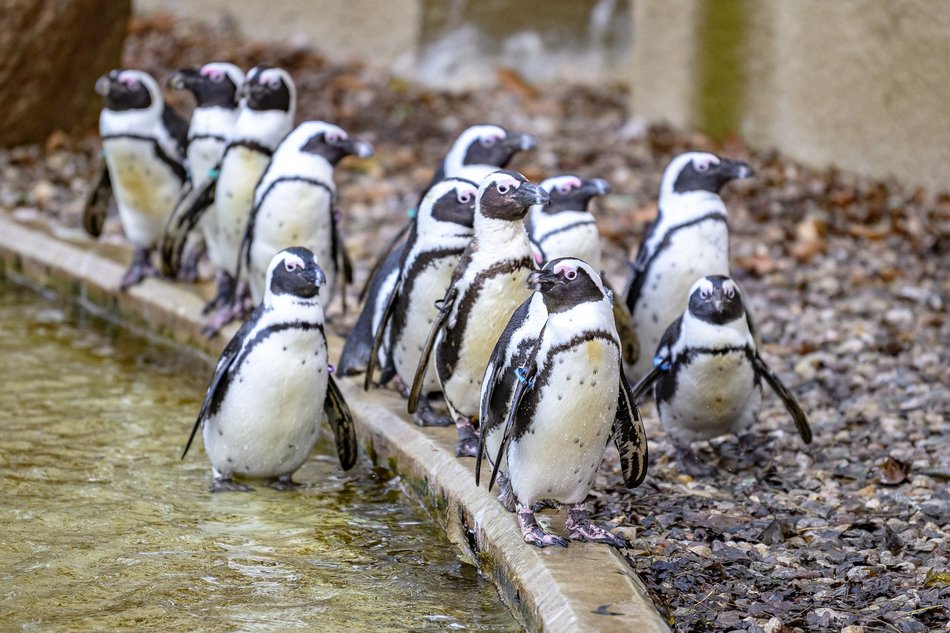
284	483
467	445
533	533
226	484
581	529
425	415
140	269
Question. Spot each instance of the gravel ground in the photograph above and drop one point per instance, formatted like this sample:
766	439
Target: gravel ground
847	278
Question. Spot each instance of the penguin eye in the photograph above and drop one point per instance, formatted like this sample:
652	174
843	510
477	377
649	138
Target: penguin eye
332	138
504	188
564	188
704	293
703	164
291	266
464	197
730	292
487	141
273	84
571	275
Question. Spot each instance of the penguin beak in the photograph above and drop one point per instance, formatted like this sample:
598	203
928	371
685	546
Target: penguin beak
736	168
104	85
360	149
315	276
596	187
543	280
520	142
182	79
529	194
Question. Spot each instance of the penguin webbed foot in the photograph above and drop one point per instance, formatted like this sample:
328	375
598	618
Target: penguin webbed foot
506	495
467	445
188	271
225	288
226	484
140	268
284	483
534	534
579	526
217	321
425	415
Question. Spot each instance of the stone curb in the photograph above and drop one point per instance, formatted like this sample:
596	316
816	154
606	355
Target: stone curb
587	587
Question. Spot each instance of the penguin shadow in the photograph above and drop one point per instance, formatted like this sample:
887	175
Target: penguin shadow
724	457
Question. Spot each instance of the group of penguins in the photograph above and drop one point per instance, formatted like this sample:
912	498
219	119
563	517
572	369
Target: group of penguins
492	314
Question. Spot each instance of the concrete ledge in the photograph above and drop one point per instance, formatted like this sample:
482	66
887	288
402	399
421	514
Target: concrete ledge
586	587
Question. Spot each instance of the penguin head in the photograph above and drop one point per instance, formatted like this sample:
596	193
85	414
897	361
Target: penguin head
269	88
716	299
127	89
451	200
507	195
330	141
701	171
566	282
294	272
216	84
485	145
571	193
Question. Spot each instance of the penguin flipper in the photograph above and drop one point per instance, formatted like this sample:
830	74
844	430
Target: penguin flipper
444	309
380	333
341	257
629	343
183	220
97	203
786	396
341	421
221	370
384	256
629	436
171	248
645	383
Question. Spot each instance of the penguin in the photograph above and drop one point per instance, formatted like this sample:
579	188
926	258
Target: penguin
553	394
688	239
443	229
708	373
476	152
486	287
272	386
216	87
564	227
143	140
268	105
294	205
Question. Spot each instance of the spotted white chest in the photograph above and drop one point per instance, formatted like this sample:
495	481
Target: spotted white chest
559	456
715	394
293	213
146	188
240	170
497	298
271	415
692	252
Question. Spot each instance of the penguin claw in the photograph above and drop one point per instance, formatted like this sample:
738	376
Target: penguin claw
140	268
581	529
534	534
228	485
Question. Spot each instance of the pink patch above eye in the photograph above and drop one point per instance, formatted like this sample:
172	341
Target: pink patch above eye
564	269
212	73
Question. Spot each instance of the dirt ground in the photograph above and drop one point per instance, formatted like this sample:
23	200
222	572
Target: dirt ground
848	279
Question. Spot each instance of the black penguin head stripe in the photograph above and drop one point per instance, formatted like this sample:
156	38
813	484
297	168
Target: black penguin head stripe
506	195
267	88
491	149
294	271
211	86
124	90
716	299
451	200
334	144
570	193
566	282
708	172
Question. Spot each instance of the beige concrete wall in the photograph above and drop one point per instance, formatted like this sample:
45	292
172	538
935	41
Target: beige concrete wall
863	84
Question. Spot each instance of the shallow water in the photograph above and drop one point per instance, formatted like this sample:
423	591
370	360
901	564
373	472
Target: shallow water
104	528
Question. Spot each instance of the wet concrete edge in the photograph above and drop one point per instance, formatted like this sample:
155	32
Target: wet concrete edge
587	587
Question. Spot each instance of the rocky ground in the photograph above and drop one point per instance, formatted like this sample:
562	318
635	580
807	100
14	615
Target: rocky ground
847	278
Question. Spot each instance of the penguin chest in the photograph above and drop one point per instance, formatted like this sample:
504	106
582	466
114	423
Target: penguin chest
581	241
478	324
146	188
559	454
714	394
241	169
270	416
427	287
204	153
293	213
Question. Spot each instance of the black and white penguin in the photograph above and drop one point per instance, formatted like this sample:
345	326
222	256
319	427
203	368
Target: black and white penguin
144	142
294	204
564	227
553	395
216	87
442	230
272	386
486	287
708	372
688	240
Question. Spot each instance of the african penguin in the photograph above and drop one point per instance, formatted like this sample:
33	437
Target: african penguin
216	87
689	239
486	287
266	116
553	395
294	203
442	230
143	141
271	388
564	227
707	370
